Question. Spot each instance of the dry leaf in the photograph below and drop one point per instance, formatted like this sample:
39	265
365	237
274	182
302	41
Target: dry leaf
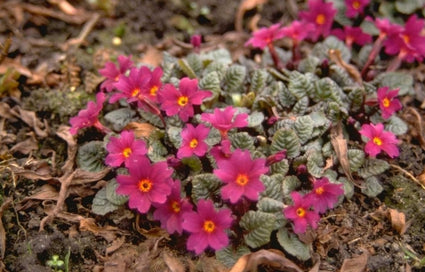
173	263
152	56
116	244
64	6
141	130
398	221
29	117
340	146
244	7
356	264
107	232
335	55
4	206
27	146
273	258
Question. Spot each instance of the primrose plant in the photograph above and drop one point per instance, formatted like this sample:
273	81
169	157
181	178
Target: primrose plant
232	156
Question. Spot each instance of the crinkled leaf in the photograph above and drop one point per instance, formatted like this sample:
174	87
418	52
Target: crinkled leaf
284	97
396	80
157	151
372	187
229	255
269	205
293	245
194	61
290	183
304	126
91	156
259	80
281	167
242	140
348	187
214	137
326	89
286	139
111	194
174	135
235	76
321	50
259	226
273	185
356	158
396	125
205	186
356	97
221	56
299	84
301	106
255	119
340	76
151	118
185	67
315	164
119	118
373	167
211	82
308	64
409	6
101	205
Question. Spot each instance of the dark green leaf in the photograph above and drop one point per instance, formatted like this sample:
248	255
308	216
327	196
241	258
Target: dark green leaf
293	245
101	205
286	139
205	186
111	194
91	156
259	226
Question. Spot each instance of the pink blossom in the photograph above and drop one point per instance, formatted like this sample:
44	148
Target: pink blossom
89	116
324	194
150	90
207	227
222	151
352	35
170	213
196	41
321	14
355	7
146	184
130	87
301	214
181	101
193	141
298	31
124	149
242	175
112	72
386	28
378	140
265	36
223	119
387	101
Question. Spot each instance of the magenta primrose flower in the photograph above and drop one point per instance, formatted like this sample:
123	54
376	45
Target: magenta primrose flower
170	213
129	87
223	119
124	149
88	117
180	101
298	31
387	101
379	139
222	151
146	184
265	36
207	227
152	87
193	141
355	7
301	214
324	194
112	72
242	175
321	14
352	35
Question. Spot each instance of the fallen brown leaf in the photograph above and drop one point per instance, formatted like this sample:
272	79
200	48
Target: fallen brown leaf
152	56
356	264
244	6
141	130
107	232
27	146
335	55
3	207
29	117
273	258
173	263
398	220
65	6
116	244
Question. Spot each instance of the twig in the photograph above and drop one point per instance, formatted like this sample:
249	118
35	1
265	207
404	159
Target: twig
419	126
39	10
408	174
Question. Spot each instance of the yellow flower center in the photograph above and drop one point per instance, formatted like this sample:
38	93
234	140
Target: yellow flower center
153	90
126	152
300	212
182	101
135	92
145	185
175	206
377	141
386	102
320	19
406	39
320	190
193	143
356	5
209	226
242	179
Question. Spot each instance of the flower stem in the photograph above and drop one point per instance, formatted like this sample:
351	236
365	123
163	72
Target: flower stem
275	57
375	50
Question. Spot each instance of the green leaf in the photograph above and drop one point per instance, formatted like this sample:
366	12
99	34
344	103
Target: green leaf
214	137
185	67
157	151
259	226
273	186
242	140
325	89
211	82
150	118
308	64
284	97
101	205
293	245
119	118
356	158
304	126
356	98
195	63
321	50
409	6
396	125
340	76
235	76
229	255
396	80
259	80
286	139
301	106
255	119
281	167
373	167
221	56
348	187
111	194
269	205
372	187
315	164
174	135
91	155
299	84
194	163
205	186
290	183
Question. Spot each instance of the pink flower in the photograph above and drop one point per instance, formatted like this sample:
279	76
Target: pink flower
196	41
355	7
324	194
265	36
124	149
154	84
207	227
298	31
222	151
112	73
89	116
242	175
130	87
320	14
170	213
223	119
146	184
387	101
386	28
379	140
193	141
352	35
180	101
301	214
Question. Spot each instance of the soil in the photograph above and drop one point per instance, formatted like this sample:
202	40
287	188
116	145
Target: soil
358	226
